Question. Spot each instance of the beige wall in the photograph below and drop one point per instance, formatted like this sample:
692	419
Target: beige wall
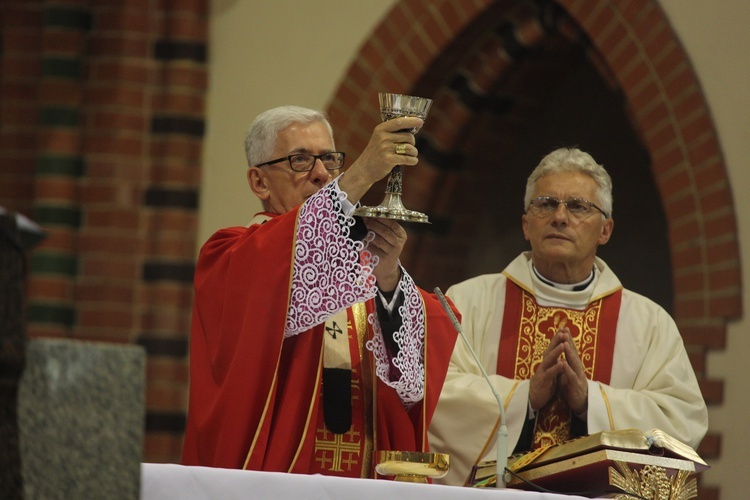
266	53
269	53
715	37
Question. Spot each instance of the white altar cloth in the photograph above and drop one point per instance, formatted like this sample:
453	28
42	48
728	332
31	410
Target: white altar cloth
162	481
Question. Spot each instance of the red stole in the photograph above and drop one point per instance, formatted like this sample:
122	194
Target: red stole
526	333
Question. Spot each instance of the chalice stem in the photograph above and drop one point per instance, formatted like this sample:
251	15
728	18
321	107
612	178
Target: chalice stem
395	180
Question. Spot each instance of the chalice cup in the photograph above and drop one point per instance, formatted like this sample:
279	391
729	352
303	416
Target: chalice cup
394	106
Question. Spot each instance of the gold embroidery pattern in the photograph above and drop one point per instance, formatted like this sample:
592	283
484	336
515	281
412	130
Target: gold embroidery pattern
356	385
538	326
651	482
551	429
337	452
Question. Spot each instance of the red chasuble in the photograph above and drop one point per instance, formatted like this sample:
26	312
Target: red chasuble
255	397
526	333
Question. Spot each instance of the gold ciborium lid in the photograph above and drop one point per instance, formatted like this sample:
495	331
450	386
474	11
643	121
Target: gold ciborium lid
412	466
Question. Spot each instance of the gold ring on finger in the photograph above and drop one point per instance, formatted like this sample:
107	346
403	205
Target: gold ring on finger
401	148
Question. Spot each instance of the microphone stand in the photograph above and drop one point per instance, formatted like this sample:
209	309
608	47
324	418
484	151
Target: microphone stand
502	432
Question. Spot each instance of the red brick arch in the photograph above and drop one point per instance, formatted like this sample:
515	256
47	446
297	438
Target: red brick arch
638	53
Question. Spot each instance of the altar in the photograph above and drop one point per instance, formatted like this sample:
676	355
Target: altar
159	481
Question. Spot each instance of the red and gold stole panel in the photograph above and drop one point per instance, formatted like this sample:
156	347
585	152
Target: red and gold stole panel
348	454
526	333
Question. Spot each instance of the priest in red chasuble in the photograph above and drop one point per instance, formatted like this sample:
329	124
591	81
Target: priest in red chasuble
311	347
572	352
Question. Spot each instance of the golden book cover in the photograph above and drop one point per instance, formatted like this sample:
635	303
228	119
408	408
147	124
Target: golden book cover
586	460
608	473
654	442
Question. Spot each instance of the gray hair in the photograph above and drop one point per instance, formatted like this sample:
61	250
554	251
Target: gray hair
573	160
260	140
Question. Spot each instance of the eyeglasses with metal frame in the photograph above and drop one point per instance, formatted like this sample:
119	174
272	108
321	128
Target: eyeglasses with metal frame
304	162
578	207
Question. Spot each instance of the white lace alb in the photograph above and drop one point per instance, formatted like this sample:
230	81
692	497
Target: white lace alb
332	272
410	340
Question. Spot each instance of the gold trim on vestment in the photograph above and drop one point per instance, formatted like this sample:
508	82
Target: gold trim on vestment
259	219
520	284
359	313
320	360
606	294
263	415
310	415
278	360
510	395
609	408
423	437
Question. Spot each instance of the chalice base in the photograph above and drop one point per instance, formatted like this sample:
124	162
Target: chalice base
412	466
392	208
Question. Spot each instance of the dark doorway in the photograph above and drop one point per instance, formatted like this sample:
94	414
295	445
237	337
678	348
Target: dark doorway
550	96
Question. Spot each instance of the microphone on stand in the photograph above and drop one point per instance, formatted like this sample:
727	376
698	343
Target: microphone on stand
502	432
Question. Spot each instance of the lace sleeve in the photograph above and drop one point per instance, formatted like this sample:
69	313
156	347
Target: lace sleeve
410	340
330	270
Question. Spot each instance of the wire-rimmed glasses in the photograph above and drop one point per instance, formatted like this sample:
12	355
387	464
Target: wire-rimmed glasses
578	207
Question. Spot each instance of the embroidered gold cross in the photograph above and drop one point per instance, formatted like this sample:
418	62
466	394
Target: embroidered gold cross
338	447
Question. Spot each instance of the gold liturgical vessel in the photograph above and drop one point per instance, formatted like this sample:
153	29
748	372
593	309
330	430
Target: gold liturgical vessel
394	106
412	466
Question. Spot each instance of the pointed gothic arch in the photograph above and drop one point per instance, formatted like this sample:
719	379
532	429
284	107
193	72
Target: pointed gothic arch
460	53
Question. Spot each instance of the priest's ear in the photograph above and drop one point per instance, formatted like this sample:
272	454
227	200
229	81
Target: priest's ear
258	183
607	227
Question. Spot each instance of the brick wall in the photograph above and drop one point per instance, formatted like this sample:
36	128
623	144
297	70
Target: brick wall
102	127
